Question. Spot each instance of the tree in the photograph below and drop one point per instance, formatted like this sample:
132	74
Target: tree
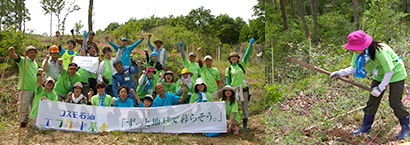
90	16
13	13
200	18
71	8
282	9
78	26
112	26
292	8
312	4
356	14
56	7
49	6
226	28
303	18
404	6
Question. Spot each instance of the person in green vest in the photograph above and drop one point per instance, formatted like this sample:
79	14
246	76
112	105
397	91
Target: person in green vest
67	79
387	68
190	63
66	54
152	61
235	76
201	94
170	86
107	69
101	99
209	74
233	118
146	83
30	79
186	81
44	92
88	79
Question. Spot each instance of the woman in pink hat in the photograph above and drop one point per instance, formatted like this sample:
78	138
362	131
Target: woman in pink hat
387	68
146	83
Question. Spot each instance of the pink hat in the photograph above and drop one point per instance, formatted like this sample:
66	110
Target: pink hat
358	40
150	69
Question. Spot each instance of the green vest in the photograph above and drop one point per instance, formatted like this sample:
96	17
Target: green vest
66	58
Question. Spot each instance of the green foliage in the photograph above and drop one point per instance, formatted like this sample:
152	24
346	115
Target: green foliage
14	12
78	26
272	95
11	36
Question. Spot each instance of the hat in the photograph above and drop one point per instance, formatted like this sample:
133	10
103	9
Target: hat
192	53
124	39
72	65
358	40
54	48
208	57
234	54
169	72
228	87
150	69
149	97
153	53
158	40
50	79
184	71
199	81
30	48
78	84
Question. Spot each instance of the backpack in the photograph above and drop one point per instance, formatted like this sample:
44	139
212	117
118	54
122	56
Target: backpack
230	73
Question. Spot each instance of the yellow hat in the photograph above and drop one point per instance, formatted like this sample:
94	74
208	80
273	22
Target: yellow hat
184	71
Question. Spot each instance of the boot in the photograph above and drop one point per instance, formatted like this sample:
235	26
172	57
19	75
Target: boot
245	123
405	130
366	125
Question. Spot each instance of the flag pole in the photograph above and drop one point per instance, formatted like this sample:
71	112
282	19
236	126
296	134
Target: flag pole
22	94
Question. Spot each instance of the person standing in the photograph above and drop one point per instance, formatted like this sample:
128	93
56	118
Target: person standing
162	53
126	50
210	74
30	79
190	63
50	64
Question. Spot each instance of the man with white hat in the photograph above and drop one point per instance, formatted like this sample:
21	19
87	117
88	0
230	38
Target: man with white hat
162	53
44	92
209	74
30	77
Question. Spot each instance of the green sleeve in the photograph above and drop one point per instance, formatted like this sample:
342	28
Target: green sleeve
385	61
228	81
218	78
209	97
186	63
353	64
107	100
94	100
245	57
193	98
139	91
234	107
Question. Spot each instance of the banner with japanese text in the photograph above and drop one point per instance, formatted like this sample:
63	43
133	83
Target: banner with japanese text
207	117
88	63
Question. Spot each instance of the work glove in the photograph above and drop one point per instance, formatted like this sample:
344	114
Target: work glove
85	33
335	75
376	91
72	31
251	41
181	44
133	63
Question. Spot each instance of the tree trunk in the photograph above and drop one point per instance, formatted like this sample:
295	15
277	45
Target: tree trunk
282	9
404	6
304	8
274	4
303	18
292	8
51	23
2	11
90	16
312	4
356	14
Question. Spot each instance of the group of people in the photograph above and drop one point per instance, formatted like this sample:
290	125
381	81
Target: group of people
114	85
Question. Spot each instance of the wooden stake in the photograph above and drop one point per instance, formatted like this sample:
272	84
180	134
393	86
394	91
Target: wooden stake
273	75
22	94
326	72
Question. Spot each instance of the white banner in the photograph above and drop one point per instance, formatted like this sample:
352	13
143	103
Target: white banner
87	62
207	117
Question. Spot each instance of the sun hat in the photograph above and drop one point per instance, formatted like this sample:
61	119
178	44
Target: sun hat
234	54
200	81
54	48
184	71
208	57
358	40
149	97
50	79
150	69
124	39
31	48
228	87
169	72
78	84
158	40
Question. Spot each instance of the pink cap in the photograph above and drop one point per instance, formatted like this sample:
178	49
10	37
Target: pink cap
150	69
358	40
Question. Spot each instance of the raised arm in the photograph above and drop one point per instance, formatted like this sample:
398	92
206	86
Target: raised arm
12	54
119	54
72	34
113	45
45	62
245	57
58	38
181	49
181	99
136	96
60	65
136	44
149	43
39	77
199	51
85	40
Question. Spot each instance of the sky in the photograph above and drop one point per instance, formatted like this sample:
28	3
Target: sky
107	11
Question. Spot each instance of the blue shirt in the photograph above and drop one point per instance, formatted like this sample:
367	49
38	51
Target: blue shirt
158	51
127	103
125	58
62	51
126	80
141	105
169	100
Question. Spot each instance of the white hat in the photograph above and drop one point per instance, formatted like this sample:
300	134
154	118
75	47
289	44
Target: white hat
50	79
228	87
149	97
30	48
199	81
208	57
